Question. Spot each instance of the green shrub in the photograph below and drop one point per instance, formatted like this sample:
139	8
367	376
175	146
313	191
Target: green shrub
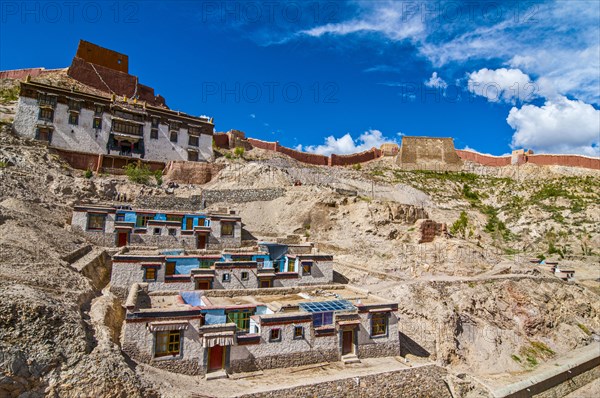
158	176
3	164
239	152
139	175
469	194
228	155
460	225
88	174
357	166
516	358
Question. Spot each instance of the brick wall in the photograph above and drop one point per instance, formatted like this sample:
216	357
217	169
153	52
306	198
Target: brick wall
344	160
119	82
221	140
270	146
540	160
303	157
22	73
191	172
485	160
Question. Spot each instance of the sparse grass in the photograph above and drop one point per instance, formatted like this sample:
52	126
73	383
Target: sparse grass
9	94
357	166
377	173
584	329
3	164
516	358
471	284
88	174
536	351
239	152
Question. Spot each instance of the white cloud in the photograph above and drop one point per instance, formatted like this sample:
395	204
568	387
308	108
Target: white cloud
346	144
559	126
436	82
507	85
253	116
384	17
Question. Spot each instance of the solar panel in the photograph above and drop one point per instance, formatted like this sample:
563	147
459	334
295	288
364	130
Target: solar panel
327	306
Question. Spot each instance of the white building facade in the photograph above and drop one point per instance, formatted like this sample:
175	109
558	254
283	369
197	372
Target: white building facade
83	122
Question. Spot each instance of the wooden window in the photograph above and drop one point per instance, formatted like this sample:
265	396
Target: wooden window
129	116
172	232
167	343
46	114
298	332
74	118
74	105
142	220
207	263
226	277
47	100
98	110
171	217
157	231
227	228
150	274
170	268
379	324
96	222
97	123
193	140
127	128
291	266
154	122
120	217
192	156
154	134
275	335
173	136
245	275
307	267
241	319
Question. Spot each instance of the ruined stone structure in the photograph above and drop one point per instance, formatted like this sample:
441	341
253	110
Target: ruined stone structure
129	122
429	153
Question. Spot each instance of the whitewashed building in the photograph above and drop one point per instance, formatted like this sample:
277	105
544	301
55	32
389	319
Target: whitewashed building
111	125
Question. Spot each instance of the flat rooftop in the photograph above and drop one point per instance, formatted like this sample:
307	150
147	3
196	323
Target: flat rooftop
186	300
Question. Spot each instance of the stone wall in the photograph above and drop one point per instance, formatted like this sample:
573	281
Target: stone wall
418	382
241	195
170	203
428	153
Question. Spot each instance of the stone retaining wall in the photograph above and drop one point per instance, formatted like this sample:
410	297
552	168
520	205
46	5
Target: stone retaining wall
170	203
423	381
241	195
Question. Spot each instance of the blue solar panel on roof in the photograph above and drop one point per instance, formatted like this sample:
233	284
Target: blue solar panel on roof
327	306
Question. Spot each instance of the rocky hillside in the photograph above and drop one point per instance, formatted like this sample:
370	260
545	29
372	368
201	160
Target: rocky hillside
471	301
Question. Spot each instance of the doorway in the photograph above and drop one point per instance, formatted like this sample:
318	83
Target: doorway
216	358
201	244
122	238
189	223
265	283
347	342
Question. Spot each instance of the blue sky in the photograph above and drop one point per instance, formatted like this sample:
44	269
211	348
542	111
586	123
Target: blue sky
327	76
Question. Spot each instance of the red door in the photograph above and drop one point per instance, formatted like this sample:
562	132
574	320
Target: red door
122	239
201	241
215	358
347	343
